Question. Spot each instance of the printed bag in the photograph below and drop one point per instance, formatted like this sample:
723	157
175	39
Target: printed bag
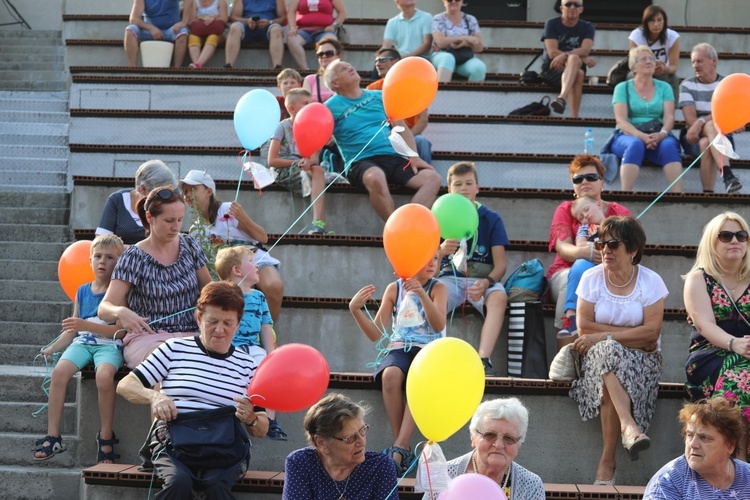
527	283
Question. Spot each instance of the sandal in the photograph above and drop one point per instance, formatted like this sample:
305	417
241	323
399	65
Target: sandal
407	458
106	457
54	447
274	431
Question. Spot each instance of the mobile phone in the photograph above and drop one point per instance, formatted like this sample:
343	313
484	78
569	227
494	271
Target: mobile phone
255	18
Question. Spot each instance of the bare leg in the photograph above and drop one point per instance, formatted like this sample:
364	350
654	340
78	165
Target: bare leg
570	76
194	52
180	47
621	402
206	54
131	48
576	93
296	46
380	198
628	175
61	375
273	288
105	386
232	47
393	398
710	132
276	46
709	167
317	185
427	183
444	75
495	302
610	434
673	170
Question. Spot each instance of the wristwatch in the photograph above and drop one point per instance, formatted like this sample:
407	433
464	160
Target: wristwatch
254	422
702	120
491	280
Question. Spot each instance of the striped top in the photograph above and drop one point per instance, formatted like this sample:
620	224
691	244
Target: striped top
695	93
677	481
195	378
157	291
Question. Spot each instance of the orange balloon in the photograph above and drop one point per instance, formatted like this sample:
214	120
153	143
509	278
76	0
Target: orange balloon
730	103
411	237
74	268
409	88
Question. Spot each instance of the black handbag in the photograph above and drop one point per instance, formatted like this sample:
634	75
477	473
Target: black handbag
529	77
213	439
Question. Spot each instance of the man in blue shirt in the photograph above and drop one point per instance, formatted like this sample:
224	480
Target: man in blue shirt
365	146
157	20
256	21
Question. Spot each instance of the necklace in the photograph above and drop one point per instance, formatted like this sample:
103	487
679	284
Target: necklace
336	485
609	279
506	478
729	287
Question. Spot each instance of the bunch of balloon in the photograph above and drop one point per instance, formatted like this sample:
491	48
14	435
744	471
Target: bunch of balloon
411	237
291	378
74	268
443	389
312	128
730	109
409	88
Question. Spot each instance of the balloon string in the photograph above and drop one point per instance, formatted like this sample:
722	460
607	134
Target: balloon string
675	181
241	156
47	379
408	471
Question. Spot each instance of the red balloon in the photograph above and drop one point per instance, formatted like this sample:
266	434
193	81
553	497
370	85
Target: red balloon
312	128
74	267
730	103
291	378
409	88
411	237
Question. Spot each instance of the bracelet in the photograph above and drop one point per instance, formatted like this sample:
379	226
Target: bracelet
729	344
663	131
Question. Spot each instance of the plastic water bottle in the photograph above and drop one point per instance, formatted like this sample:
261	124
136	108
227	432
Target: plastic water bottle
588	142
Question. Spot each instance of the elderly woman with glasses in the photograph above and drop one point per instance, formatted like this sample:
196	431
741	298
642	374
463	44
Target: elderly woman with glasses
497	430
717	299
327	51
156	282
644	113
587	177
620	312
336	465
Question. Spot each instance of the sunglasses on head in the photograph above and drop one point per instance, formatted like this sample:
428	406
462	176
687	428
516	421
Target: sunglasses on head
572	4
726	236
383	59
577	179
326	53
613	244
165	194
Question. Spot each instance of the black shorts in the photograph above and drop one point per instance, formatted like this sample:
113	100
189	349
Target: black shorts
396	168
553	77
399	358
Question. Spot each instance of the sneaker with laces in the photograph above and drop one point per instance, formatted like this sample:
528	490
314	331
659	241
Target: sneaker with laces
489	371
317	227
732	184
569	327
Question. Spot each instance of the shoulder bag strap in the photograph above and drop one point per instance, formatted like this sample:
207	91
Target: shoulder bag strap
317	87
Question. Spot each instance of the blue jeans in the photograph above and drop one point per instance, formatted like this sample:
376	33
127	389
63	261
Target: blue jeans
633	150
424	148
574	277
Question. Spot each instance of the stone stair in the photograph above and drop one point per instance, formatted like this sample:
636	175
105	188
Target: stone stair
32	60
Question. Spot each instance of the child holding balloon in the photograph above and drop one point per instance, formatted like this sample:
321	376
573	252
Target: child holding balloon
255	334
417	307
87	339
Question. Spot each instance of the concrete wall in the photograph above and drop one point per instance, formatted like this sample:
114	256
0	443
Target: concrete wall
45	15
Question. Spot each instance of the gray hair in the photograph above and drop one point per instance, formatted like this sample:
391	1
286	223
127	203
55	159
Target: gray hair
510	409
328	416
329	75
710	50
633	55
154	173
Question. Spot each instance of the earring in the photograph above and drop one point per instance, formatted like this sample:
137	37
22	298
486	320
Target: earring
632	259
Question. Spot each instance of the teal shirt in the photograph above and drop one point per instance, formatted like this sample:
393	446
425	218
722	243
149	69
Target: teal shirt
408	34
641	111
357	125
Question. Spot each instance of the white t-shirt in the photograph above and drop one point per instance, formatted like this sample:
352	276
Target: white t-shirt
660	50
619	310
226	228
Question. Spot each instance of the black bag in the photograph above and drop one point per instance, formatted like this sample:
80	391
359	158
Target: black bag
527	343
461	55
650	127
529	77
618	73
204	439
540	108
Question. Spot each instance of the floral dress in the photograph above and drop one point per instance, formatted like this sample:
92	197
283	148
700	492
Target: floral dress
715	371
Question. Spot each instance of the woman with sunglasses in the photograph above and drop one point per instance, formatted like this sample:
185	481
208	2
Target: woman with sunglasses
644	114
327	51
156	282
717	299
455	40
312	21
336	465
620	312
497	430
587	175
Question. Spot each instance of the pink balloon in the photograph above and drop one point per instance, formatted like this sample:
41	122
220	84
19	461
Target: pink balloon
473	487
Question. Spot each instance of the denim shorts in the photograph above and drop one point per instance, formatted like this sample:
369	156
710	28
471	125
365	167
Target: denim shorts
458	287
315	36
145	35
256	34
83	355
694	149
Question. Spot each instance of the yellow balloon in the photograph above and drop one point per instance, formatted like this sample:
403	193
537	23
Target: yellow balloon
444	387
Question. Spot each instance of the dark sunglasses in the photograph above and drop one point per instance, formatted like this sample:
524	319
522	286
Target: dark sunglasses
613	244
577	179
326	53
453	1
165	194
383	59
572	4
726	236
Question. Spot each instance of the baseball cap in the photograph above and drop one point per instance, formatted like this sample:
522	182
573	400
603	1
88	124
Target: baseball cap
198	177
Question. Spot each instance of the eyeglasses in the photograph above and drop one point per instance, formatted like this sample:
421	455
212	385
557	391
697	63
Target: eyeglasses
383	59
165	194
454	1
577	179
572	4
612	244
647	59
326	53
726	236
352	438
491	437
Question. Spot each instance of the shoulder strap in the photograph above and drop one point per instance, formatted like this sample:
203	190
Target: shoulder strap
541	51
317	87
466	22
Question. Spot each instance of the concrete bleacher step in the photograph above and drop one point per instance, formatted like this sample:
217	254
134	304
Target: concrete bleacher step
18	450
22	384
16	151
34	101
15	200
24	482
46	289
36	116
53	137
31	215
19	179
12	310
18	418
28	332
14	269
42	232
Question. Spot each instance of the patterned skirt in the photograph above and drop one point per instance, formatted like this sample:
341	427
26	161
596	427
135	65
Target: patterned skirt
639	373
714	372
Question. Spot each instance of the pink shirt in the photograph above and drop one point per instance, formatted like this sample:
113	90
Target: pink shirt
312	82
314	14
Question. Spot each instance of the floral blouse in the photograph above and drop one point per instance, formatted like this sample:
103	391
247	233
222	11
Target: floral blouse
727	317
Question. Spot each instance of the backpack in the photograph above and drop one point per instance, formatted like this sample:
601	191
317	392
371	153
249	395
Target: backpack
527	283
540	108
